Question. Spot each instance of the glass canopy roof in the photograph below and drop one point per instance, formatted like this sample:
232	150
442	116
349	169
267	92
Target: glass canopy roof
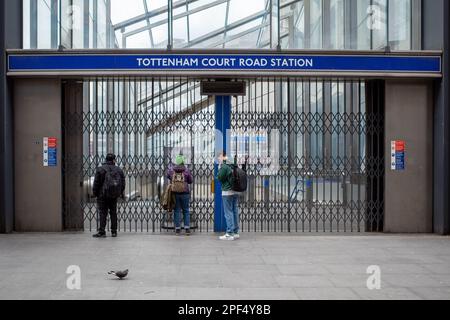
223	24
196	23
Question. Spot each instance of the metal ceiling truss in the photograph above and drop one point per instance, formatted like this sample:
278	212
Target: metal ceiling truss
192	42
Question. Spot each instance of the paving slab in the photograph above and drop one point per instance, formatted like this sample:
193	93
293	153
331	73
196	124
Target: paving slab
266	294
257	266
326	294
440	293
386	294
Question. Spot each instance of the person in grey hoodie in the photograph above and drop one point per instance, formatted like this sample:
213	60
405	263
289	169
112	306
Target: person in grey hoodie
180	177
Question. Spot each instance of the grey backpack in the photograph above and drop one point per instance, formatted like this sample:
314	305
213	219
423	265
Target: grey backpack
178	182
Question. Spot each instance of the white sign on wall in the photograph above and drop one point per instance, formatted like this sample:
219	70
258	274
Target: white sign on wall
49	152
45	152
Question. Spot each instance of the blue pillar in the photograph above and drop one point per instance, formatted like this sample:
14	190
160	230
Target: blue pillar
223	124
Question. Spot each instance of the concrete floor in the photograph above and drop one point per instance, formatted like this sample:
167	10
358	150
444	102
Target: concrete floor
258	266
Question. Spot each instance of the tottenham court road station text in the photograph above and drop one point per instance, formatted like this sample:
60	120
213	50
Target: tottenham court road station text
215	62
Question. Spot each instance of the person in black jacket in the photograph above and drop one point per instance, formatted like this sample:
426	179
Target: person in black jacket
105	201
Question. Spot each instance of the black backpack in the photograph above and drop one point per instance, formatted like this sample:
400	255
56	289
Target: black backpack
239	179
112	185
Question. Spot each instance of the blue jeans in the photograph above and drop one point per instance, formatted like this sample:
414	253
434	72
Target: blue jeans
231	210
182	205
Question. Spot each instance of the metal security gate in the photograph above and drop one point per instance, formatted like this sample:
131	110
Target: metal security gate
316	162
313	148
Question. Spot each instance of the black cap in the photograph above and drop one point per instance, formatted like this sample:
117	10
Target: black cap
110	157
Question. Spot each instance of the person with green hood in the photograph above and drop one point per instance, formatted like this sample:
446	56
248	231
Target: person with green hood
230	199
180	178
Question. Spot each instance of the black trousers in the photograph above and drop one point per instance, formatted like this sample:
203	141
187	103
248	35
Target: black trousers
106	206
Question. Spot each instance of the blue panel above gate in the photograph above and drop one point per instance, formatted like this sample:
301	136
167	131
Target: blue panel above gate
375	64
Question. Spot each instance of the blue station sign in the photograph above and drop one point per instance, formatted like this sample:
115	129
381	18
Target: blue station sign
229	63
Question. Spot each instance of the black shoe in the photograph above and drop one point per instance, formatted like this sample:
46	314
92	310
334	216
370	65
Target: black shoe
177	232
99	235
188	232
114	234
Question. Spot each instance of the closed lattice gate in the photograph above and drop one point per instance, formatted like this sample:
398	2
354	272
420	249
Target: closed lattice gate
313	148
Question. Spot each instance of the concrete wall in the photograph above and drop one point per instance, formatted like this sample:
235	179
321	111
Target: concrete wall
409	193
38	189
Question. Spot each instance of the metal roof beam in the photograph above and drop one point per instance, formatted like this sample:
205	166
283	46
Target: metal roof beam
239	35
180	116
178	16
258	42
231	26
151	14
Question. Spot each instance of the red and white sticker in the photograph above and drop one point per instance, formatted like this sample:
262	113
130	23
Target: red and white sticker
398	155
50	151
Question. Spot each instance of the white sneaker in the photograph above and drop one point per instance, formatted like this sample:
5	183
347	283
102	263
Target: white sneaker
227	237
236	236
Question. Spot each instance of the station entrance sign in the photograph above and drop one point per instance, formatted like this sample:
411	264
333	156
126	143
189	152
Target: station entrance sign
300	63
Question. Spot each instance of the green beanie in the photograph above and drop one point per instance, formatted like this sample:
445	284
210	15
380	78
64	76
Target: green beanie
179	160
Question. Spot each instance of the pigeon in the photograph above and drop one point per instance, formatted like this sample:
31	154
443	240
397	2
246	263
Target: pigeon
119	274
